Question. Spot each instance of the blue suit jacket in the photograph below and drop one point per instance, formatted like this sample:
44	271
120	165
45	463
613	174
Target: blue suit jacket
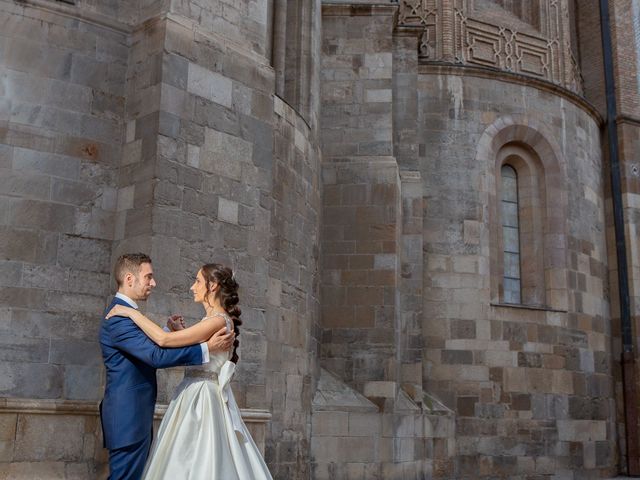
131	360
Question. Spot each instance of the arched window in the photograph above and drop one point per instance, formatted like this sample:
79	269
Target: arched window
522	219
527	215
510	236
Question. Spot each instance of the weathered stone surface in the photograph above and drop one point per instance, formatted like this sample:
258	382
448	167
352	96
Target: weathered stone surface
581	430
30	380
354	187
85	254
8	422
223	154
83	382
39	438
209	85
49	470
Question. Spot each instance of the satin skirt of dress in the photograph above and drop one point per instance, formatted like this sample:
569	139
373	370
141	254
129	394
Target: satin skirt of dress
197	440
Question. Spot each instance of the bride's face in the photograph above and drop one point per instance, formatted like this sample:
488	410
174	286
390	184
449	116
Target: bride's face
199	288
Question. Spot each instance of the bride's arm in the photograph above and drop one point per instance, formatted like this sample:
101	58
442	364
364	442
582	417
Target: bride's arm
200	332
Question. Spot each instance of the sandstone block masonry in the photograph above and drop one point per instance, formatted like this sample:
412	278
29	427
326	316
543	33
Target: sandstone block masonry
518	377
150	127
346	159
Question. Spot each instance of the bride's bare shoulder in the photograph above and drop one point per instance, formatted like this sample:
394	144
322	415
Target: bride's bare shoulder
218	320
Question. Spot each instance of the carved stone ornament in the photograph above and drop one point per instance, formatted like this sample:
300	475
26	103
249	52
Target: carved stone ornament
529	38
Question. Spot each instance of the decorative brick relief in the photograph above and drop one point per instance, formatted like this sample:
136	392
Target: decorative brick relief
459	31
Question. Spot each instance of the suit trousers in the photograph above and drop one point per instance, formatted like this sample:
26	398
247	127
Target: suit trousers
127	463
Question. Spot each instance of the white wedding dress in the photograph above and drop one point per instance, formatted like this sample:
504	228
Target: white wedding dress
202	435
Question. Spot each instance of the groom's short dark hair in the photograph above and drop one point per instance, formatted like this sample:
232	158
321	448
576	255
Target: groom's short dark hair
129	262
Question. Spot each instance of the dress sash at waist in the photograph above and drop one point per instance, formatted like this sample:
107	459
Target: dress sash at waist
221	381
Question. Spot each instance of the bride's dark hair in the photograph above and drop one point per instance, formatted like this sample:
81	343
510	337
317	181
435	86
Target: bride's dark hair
228	294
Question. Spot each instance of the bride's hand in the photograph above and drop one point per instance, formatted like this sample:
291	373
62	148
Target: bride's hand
119	311
175	323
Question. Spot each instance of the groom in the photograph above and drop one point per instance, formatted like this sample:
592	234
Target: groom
131	360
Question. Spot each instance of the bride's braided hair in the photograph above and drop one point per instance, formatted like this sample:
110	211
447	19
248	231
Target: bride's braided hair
228	295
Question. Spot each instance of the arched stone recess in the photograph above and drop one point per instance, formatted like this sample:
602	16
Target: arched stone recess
529	147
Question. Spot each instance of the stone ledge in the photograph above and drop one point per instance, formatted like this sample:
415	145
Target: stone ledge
540	308
628	119
353	8
48	407
347	160
432	68
333	394
88	408
410	176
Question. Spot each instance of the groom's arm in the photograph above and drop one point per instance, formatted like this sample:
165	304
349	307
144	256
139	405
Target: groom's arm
128	337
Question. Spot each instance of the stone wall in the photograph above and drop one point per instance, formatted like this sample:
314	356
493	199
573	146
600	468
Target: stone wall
370	417
356	77
587	22
152	127
531	385
359	246
61	127
244	23
62	101
233	178
624	32
354	439
361	214
292	318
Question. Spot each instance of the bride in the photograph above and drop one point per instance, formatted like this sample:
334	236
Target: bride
202	435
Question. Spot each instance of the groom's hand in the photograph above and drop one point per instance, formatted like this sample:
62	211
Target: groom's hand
175	323
221	341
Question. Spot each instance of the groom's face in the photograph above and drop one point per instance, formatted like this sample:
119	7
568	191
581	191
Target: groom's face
143	282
